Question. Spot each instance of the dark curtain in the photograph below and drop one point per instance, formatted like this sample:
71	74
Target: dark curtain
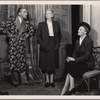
33	49
35	74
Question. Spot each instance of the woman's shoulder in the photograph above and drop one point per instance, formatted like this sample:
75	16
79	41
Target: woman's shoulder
77	41
88	38
41	23
56	22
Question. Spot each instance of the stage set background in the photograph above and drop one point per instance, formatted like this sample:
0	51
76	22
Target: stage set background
64	14
36	15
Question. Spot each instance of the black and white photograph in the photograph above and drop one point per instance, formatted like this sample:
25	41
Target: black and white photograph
50	49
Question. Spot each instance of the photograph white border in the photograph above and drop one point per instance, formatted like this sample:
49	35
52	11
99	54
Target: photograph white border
66	2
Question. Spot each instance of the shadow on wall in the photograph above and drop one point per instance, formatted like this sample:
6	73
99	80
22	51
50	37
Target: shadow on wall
65	38
69	37
94	36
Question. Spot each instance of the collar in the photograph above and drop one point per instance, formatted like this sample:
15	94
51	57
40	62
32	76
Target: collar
82	38
20	20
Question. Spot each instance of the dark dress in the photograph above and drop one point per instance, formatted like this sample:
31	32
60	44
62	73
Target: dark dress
51	58
84	60
49	46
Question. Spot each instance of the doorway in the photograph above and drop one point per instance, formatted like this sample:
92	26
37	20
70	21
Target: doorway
76	18
76	11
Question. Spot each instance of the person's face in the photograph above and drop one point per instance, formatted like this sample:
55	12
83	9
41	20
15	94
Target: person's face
81	31
23	13
49	14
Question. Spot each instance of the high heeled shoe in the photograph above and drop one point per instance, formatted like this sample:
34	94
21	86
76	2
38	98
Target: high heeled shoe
67	93
52	84
4	93
47	85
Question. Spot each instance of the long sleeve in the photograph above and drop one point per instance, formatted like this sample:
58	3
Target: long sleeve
59	37
7	28
29	30
87	54
39	36
59	32
75	51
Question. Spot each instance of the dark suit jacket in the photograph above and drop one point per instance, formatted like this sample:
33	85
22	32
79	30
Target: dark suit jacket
43	35
83	53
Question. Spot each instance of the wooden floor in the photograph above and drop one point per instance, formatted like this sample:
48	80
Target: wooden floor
38	89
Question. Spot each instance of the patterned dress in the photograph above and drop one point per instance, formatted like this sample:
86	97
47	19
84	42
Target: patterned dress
17	43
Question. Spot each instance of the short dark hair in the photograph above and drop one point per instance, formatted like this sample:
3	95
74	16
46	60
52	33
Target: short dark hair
19	10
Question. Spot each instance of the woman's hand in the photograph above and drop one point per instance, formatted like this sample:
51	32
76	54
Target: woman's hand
70	59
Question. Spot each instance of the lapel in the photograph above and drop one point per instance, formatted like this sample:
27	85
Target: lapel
84	40
18	23
21	26
53	25
46	28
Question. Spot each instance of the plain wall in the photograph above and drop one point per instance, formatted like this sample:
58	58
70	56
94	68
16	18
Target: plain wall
95	24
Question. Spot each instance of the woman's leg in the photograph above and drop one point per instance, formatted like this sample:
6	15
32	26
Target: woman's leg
51	78
47	78
71	82
66	85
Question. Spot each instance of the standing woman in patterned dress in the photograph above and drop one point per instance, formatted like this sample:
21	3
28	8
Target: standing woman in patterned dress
49	37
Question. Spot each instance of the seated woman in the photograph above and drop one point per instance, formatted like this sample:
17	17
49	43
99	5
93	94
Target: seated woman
82	59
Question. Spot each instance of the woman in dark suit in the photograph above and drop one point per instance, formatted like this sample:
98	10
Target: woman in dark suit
82	59
49	37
